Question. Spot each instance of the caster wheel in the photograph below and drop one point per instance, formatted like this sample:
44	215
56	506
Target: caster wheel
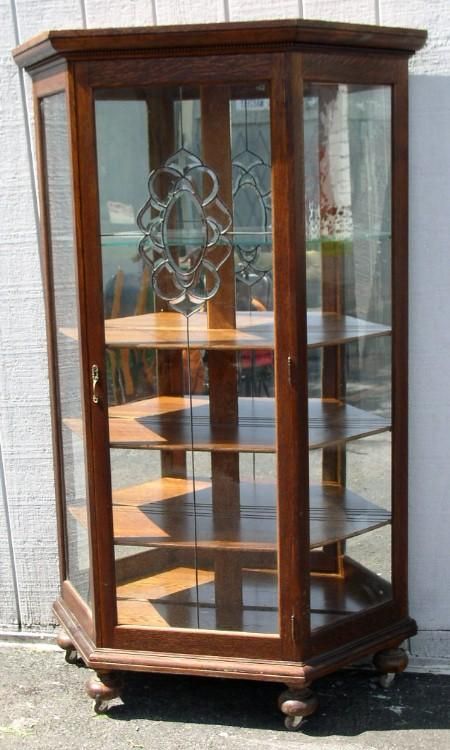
293	723
386	680
100	706
71	656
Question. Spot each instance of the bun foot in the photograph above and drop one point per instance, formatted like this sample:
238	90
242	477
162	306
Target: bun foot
296	704
67	645
389	663
102	689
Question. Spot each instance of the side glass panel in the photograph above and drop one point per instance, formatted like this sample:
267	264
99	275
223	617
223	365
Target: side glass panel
185	206
348	256
68	373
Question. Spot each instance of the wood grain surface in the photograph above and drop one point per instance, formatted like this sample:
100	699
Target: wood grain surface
177	422
167	512
254	330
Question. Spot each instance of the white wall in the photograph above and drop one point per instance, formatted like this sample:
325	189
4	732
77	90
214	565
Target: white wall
429	361
28	551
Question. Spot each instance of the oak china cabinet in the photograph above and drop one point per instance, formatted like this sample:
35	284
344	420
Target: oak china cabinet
224	245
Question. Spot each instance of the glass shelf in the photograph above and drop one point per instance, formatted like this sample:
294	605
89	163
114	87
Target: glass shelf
241	237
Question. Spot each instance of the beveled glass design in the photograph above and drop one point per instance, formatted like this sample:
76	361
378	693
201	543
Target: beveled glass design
252	212
185	244
190	356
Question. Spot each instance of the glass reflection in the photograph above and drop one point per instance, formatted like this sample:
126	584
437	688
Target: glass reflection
189	334
348	261
68	373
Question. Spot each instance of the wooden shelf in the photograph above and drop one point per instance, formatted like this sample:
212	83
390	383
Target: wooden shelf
165	513
168	330
253	331
164	422
183	597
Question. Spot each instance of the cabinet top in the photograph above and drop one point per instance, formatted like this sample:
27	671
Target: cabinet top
218	38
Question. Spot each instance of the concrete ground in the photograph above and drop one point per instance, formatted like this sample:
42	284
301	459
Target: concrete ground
43	705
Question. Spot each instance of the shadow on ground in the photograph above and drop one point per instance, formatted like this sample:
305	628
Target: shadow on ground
351	702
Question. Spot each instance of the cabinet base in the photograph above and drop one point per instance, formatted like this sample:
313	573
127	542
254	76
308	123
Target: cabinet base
296	703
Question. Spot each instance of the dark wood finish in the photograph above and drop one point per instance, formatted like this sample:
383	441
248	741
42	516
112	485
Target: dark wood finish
207	38
160	598
162	513
170	598
64	641
216	152
51	84
53	81
222	366
155	560
82	610
290	358
87	225
253	331
338	635
400	341
270	670
391	661
296	704
165	422
170	366
103	688
385	70
179	71
352	68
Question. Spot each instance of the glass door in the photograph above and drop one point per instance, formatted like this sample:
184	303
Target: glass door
185	193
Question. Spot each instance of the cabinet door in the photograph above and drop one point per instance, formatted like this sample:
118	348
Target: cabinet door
353	167
195	366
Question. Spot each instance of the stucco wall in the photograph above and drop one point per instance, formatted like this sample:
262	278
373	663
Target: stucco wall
28	549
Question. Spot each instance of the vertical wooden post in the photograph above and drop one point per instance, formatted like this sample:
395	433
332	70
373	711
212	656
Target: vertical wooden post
222	367
169	364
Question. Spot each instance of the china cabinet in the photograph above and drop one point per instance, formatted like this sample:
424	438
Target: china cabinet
224	245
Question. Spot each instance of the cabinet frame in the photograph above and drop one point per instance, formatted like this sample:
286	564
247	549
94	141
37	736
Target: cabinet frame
279	71
286	55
